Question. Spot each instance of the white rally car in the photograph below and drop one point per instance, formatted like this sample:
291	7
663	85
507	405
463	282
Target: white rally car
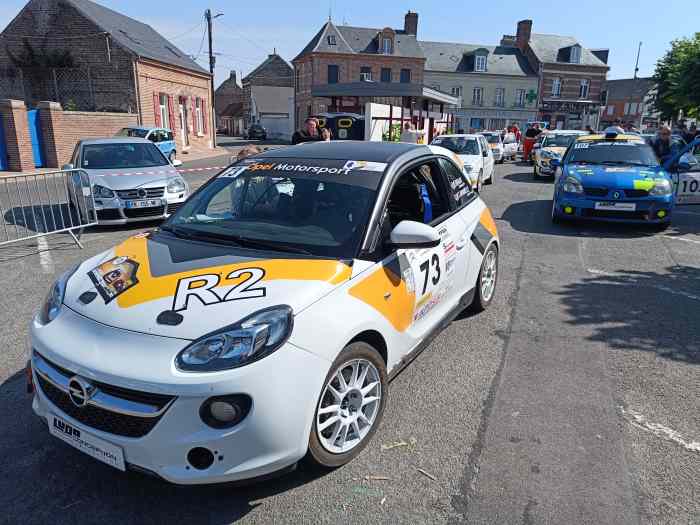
262	322
476	156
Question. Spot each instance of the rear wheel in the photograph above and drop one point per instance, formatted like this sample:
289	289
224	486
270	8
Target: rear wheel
350	407
489	181
486	282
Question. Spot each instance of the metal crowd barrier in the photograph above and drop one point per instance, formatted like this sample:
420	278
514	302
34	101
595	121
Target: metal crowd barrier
44	203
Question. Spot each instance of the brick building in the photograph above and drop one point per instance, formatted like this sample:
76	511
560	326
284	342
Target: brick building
571	77
630	100
90	58
229	103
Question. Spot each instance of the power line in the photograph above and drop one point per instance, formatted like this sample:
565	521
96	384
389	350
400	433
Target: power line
259	46
186	32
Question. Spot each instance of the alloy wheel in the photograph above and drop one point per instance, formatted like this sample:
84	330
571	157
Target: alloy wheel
488	275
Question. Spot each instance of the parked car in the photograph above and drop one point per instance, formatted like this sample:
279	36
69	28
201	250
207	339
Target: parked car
495	145
474	152
131	180
552	145
612	177
262	322
256	131
161	137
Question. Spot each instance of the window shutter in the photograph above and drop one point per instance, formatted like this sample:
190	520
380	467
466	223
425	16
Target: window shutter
193	101
171	113
204	116
156	109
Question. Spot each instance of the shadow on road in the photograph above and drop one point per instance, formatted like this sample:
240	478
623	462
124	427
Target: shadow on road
527	177
74	488
635	310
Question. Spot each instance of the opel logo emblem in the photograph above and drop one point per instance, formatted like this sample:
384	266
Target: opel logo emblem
80	391
141	193
616	195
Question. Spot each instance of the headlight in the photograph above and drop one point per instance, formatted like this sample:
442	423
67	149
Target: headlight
549	154
54	299
253	338
661	188
176	185
101	192
572	185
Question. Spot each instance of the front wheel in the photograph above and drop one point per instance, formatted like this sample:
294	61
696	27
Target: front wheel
350	407
172	156
479	182
486	282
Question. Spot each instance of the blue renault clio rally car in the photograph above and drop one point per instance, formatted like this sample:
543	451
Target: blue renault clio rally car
612	178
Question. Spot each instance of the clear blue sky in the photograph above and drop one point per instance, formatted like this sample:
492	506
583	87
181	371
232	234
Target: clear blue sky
250	30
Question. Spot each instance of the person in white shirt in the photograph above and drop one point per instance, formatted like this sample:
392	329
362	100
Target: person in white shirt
410	134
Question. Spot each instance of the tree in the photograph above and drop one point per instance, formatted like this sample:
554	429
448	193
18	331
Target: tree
677	78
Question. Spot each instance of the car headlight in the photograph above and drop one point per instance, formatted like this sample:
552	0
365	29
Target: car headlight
176	185
54	299
253	338
572	185
549	155
101	192
661	188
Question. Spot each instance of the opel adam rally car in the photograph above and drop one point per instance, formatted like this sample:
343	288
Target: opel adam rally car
261	323
613	178
552	146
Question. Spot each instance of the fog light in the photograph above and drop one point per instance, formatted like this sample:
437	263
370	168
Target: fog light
225	411
200	458
661	214
568	209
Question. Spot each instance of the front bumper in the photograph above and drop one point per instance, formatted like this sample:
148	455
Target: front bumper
114	211
543	167
584	207
284	388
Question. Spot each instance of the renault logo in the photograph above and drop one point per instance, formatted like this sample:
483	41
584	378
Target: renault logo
616	195
80	391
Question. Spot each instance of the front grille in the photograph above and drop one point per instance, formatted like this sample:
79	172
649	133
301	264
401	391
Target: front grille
101	418
595	192
134	213
109	214
172	208
636	194
151	193
615	214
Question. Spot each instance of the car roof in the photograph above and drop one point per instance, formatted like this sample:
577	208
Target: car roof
564	132
345	150
116	140
602	137
465	135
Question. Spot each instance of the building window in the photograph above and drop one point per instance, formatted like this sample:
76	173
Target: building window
386	74
497	123
611	110
331	40
366	73
405	76
583	88
386	46
199	110
476	123
520	98
332	74
575	57
456	91
556	87
500	97
627	108
478	97
163	107
480	64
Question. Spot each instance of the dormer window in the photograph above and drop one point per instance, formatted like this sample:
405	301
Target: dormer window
331	40
575	56
386	46
480	63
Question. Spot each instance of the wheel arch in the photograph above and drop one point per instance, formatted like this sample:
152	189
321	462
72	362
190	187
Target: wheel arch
375	340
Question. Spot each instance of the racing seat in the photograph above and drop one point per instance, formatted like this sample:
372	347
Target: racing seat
406	202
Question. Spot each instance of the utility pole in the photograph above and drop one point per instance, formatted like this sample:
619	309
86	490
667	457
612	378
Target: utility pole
636	66
212	63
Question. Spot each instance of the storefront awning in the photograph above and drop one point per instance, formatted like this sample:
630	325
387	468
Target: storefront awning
383	89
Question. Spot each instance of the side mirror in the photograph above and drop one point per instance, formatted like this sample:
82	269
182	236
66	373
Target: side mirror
177	162
412	235
67	167
485	153
555	163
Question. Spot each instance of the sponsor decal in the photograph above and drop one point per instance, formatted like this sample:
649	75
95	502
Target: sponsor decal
617	170
581	145
201	287
114	277
428	304
232	172
364	165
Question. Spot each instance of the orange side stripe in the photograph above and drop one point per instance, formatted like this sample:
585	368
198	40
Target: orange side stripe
487	222
397	308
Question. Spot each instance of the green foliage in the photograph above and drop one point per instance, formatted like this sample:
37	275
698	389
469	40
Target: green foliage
70	105
30	57
395	133
677	78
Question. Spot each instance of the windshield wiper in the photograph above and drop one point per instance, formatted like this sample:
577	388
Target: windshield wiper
270	245
624	162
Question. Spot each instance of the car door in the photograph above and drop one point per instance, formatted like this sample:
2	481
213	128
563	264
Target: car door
488	159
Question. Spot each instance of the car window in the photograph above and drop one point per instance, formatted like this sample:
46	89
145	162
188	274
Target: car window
121	155
460	190
493	139
557	141
169	135
612	152
459	145
133	132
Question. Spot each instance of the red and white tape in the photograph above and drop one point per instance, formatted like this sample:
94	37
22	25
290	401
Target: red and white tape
163	172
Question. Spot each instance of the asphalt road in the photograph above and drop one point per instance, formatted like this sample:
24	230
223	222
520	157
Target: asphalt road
573	399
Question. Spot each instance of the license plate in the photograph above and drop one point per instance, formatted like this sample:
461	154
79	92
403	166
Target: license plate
616	206
87	443
146	203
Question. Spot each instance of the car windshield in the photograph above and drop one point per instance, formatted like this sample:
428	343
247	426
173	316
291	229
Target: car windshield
557	141
613	152
282	206
133	132
121	155
459	145
493	139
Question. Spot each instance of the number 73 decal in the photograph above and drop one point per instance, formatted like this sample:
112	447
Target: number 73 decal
434	261
202	287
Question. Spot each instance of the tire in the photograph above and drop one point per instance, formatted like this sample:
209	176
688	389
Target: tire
479	182
661	226
534	172
172	156
489	181
555	218
320	442
484	293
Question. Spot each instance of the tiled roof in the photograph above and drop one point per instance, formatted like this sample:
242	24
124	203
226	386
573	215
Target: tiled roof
453	57
625	88
548	47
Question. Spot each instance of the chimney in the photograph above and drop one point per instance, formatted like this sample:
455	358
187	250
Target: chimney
410	23
233	76
522	37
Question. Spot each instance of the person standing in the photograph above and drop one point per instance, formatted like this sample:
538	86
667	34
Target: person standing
308	134
410	134
615	128
662	145
326	135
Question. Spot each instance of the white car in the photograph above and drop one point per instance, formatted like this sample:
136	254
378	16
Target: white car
551	145
473	150
262	322
131	180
